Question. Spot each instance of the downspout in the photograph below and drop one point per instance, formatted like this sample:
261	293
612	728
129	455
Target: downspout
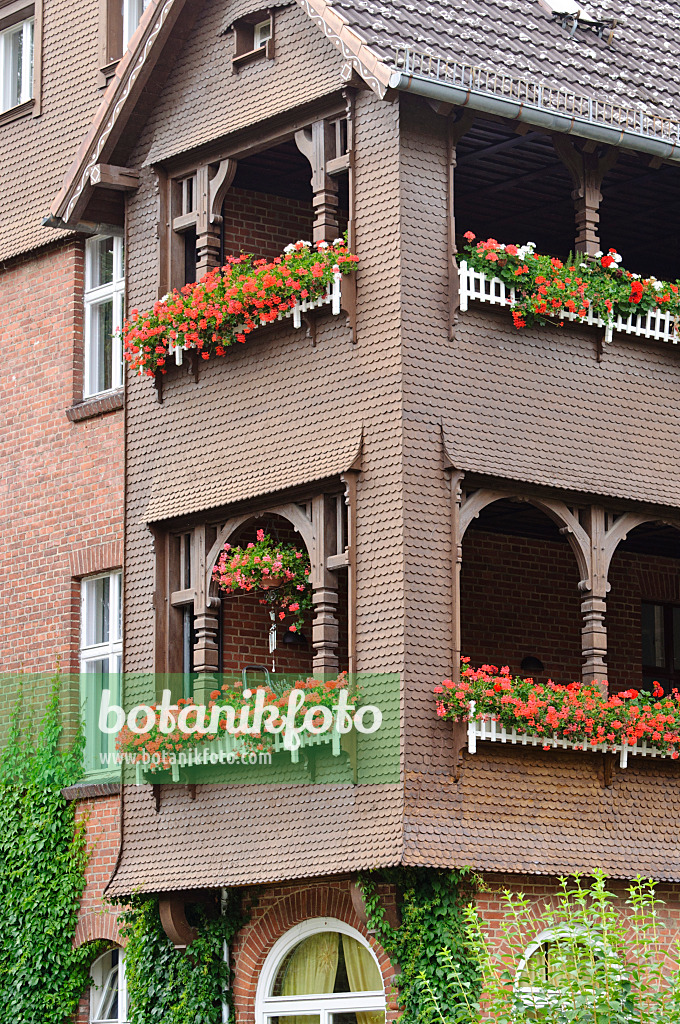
489	104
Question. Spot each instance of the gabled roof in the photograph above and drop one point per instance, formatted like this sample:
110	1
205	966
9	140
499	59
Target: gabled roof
514	37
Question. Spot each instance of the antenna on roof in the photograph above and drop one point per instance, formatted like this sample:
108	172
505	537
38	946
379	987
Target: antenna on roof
571	14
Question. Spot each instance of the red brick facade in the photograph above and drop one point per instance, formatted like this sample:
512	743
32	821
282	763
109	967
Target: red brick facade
98	920
279	908
63	495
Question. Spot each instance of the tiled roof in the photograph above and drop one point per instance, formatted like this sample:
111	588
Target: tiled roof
641	67
277	460
244	835
548	812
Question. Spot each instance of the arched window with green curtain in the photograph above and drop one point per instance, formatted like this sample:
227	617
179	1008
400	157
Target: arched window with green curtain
321	972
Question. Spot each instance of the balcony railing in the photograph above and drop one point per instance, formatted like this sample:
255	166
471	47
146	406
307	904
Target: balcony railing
489	729
331	297
475	286
228	749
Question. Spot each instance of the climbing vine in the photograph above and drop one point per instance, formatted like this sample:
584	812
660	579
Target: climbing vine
42	872
432	907
172	986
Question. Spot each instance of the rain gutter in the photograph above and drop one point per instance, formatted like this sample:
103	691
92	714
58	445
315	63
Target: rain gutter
487	103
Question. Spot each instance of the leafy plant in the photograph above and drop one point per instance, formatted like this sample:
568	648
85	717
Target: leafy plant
432	907
577	712
42	873
279	571
174	986
230	302
546	288
583	957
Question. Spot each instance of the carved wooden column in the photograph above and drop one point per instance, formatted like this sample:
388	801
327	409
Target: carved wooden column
212	185
456	495
324	587
206	619
587	169
318	144
594	602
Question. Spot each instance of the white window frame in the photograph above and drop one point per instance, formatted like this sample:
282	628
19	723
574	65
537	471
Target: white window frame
529	994
321	1006
113	291
262	33
27	26
132	15
100	976
111	650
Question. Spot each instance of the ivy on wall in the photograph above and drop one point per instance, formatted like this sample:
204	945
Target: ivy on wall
172	986
42	873
432	908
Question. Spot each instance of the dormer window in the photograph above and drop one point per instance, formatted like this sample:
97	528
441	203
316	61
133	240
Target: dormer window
121	20
16	64
132	15
254	38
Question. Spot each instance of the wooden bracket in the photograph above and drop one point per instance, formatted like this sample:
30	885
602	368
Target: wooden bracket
157	795
348	302
309	320
158	384
173	916
348	743
218	187
459	742
608	762
120	179
190	788
194	363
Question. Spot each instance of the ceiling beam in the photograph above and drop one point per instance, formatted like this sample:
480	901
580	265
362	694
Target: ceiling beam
498	147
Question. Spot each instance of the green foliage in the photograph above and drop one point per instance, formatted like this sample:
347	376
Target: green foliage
171	986
597	961
432	907
42	873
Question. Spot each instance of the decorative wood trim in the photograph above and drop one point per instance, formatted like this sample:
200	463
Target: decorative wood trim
120	179
354	49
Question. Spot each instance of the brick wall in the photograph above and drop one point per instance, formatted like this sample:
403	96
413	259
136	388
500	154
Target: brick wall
258	223
519	597
62	490
540	890
277	909
96	919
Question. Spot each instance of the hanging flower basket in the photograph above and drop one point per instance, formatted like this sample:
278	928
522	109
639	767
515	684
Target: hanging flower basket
281	571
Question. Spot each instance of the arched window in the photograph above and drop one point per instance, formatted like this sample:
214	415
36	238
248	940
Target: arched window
108	995
563	961
321	972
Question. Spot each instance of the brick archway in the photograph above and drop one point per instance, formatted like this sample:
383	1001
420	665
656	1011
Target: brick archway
277	911
98	925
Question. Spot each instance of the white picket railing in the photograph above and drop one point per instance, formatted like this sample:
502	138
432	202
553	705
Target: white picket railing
478	287
217	751
488	728
331	297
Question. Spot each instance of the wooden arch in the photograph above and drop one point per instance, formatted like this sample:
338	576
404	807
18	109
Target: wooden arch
290	511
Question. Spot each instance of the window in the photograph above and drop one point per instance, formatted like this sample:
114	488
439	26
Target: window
262	33
108	995
104	296
253	38
321	972
16	64
101	649
660	645
120	19
132	15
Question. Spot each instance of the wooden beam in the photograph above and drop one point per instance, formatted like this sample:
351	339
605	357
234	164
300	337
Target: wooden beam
121	179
